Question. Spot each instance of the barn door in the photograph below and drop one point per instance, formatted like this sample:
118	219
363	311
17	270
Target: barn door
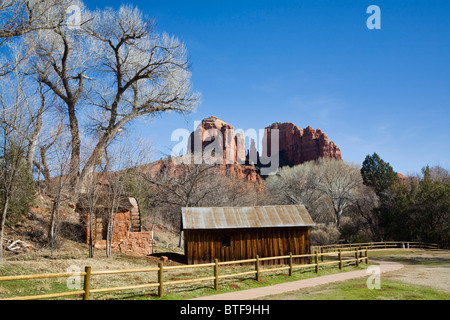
226	247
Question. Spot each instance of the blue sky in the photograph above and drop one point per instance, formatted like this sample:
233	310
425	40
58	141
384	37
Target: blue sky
316	63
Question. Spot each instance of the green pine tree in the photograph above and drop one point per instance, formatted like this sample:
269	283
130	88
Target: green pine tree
378	174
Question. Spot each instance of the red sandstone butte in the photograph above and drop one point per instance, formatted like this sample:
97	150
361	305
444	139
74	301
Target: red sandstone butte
213	129
233	148
297	145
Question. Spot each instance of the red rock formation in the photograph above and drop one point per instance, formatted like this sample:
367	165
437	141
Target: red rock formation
296	145
213	130
236	170
401	176
300	145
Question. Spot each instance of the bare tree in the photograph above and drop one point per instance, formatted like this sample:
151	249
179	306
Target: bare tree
58	186
60	61
365	204
145	74
338	182
298	185
319	185
114	171
120	69
27	100
178	186
438	173
175	186
91	200
20	17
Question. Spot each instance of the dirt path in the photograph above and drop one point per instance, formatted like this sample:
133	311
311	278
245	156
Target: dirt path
385	266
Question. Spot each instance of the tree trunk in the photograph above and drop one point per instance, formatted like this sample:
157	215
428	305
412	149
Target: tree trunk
109	235
99	151
338	214
180	241
93	161
35	135
75	152
2	224
30	152
91	237
52	228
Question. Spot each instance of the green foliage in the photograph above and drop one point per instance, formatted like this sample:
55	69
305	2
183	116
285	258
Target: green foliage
378	174
16	182
134	187
420	210
22	197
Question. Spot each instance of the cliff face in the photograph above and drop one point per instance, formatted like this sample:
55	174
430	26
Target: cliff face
238	171
216	133
214	137
301	145
295	145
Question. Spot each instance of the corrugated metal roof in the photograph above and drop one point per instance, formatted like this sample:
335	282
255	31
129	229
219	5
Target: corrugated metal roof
245	217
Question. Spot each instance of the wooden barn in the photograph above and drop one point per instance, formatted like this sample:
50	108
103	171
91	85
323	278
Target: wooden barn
238	233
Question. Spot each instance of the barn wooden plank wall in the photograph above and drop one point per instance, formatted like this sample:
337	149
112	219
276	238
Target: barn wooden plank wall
203	246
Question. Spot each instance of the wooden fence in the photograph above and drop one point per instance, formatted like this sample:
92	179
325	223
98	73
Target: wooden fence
376	245
342	257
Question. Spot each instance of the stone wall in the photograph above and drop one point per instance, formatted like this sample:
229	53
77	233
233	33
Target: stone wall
138	243
124	241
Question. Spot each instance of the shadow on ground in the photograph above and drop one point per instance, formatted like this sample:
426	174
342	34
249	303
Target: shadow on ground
176	257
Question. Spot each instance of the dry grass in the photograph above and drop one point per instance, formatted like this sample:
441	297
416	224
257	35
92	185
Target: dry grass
74	256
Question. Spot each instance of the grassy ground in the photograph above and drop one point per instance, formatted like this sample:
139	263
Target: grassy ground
171	292
431	268
247	282
357	290
426	276
75	257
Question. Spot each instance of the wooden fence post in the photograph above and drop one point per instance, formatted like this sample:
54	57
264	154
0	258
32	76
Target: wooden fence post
87	283
317	261
160	279
340	259
321	251
357	257
367	255
290	264
258	277
216	274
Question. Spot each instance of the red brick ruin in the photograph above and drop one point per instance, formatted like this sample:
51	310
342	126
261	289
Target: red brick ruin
128	236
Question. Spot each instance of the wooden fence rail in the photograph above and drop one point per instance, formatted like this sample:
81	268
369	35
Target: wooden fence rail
372	245
357	255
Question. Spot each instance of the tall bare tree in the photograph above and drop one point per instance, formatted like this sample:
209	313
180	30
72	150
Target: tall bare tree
57	187
20	17
317	185
60	60
338	181
145	74
298	185
119	69
175	186
116	167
